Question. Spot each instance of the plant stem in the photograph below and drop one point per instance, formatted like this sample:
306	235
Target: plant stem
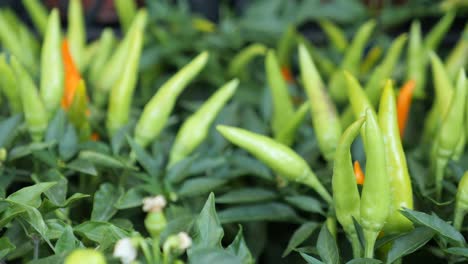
370	237
356	246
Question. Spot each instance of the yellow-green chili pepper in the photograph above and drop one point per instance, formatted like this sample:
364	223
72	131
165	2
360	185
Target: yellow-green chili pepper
397	170
288	133
375	195
443	94
370	60
126	11
241	60
433	38
195	129
325	119
375	83
325	65
115	65
277	156
157	110
38	14
450	133
106	44
345	192
77	113
336	36
458	57
52	73
120	98
461	202
350	62
34	110
282	106
415	68
9	85
85	255
77	32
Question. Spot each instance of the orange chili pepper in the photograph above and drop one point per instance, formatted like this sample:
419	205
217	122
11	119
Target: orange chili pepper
358	173
404	99
72	76
95	136
287	75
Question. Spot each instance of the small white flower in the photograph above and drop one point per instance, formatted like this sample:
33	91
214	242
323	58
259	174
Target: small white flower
125	250
184	240
154	204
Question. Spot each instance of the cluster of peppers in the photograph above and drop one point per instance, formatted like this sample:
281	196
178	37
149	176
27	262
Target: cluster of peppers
387	185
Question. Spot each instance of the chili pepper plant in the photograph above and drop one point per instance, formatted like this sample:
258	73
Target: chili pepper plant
109	155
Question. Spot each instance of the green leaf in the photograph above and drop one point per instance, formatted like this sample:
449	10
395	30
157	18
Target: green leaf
46	156
23	151
57	126
180	170
83	166
48	206
66	242
306	203
200	186
150	165
119	138
8	129
207	229
132	198
310	259
258	212
68	144
104	200
239	248
327	248
30	195
56	193
364	261
247	195
435	223
214	255
5	247
59	258
103	233
251	166
206	164
459	251
409	243
299	236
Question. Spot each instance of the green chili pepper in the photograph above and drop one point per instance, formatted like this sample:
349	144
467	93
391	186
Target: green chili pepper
282	106
336	36
52	73
433	38
85	255
33	107
277	156
345	192
11	41
126	11
382	72
106	44
77	32
77	112
325	65
9	85
450	133
325	119
358	99
288	133
120	98
370	60
350	62
375	195
458	57
242	59
38	14
286	45
461	203
443	94
195	128
114	67
415	68
157	110
397	170
155	223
